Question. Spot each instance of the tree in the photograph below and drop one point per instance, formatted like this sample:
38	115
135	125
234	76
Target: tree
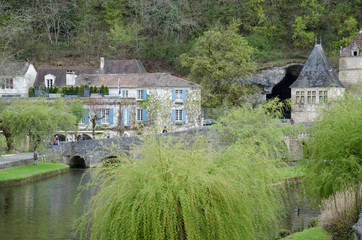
219	58
36	119
334	150
93	106
181	189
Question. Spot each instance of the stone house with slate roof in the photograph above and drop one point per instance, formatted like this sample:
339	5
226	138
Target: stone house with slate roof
350	63
160	99
315	86
137	102
19	78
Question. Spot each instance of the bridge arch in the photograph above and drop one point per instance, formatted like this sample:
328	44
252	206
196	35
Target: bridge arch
77	162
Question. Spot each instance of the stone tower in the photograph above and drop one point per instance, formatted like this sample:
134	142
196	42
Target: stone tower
350	63
316	85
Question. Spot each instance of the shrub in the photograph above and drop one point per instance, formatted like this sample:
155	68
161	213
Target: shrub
313	222
339	214
283	233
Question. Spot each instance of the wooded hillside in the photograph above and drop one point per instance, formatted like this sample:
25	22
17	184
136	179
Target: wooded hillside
65	32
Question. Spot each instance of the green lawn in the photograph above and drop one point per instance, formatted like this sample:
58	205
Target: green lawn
292	172
29	171
315	233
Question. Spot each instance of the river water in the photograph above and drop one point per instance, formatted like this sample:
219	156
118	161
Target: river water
45	210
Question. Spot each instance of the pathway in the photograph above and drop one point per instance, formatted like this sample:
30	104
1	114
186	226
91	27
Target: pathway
15	160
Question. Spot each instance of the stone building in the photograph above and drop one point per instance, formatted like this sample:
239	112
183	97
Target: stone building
350	63
18	78
316	84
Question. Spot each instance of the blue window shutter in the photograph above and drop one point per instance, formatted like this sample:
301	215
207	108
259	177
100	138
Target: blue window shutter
111	116
123	116
173	94
127	116
173	115
184	115
144	94
99	115
144	115
184	94
86	117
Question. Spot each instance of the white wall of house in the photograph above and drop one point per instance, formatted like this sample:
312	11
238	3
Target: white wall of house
20	84
308	102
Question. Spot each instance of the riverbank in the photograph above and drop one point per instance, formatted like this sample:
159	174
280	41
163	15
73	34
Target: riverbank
315	233
30	173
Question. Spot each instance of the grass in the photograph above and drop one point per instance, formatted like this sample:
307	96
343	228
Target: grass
315	233
30	171
293	171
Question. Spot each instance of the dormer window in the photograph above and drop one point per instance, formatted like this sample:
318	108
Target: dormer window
355	53
70	72
49	83
49	80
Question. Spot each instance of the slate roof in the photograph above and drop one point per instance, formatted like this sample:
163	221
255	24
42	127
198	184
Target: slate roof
317	71
136	80
60	73
357	41
110	67
17	68
123	66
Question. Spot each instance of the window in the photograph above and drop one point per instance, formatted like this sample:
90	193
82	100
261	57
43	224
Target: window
49	83
104	114
323	96
313	96
178	94
8	83
125	93
81	120
309	97
141	95
178	115
141	115
355	53
298	97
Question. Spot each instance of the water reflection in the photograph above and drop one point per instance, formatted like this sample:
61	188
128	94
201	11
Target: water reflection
42	210
298	211
46	209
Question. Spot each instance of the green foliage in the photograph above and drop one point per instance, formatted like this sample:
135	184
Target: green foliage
283	233
313	222
180	189
36	119
315	233
29	171
301	37
219	58
334	149
31	92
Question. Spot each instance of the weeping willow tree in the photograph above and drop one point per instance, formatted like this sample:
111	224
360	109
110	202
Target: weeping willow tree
334	150
184	189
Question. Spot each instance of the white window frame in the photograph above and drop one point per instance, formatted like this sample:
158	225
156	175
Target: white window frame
125	93
49	80
178	115
104	116
140	94
139	115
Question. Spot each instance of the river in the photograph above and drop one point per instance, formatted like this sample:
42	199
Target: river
45	210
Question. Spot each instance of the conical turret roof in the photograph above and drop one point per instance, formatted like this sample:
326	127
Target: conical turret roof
317	71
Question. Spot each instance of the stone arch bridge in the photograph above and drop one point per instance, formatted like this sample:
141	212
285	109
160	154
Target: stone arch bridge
91	153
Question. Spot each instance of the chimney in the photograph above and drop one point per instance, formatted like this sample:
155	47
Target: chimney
102	63
340	50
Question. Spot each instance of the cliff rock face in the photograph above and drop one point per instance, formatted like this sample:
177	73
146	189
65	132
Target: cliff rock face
268	78
279	78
